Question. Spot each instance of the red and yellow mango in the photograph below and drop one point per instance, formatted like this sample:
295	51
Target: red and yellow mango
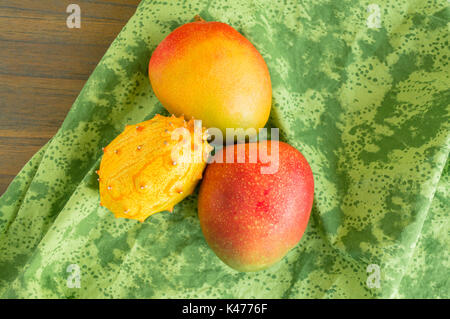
209	71
249	219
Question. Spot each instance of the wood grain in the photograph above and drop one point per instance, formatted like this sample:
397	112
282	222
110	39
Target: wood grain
44	65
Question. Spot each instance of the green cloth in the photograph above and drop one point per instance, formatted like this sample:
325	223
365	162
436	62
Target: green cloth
367	106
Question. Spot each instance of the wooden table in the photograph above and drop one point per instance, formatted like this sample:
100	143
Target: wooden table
44	65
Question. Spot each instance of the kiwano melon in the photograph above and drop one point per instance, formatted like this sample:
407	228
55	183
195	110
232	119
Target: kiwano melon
152	166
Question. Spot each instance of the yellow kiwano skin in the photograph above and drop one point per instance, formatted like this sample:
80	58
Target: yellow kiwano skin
152	166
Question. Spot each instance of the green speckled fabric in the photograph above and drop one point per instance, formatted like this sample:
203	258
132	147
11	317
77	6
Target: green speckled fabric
361	88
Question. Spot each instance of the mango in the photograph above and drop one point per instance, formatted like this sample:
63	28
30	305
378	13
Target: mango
208	70
249	219
152	166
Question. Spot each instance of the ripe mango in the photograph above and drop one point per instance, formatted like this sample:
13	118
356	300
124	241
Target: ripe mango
249	219
208	70
151	166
